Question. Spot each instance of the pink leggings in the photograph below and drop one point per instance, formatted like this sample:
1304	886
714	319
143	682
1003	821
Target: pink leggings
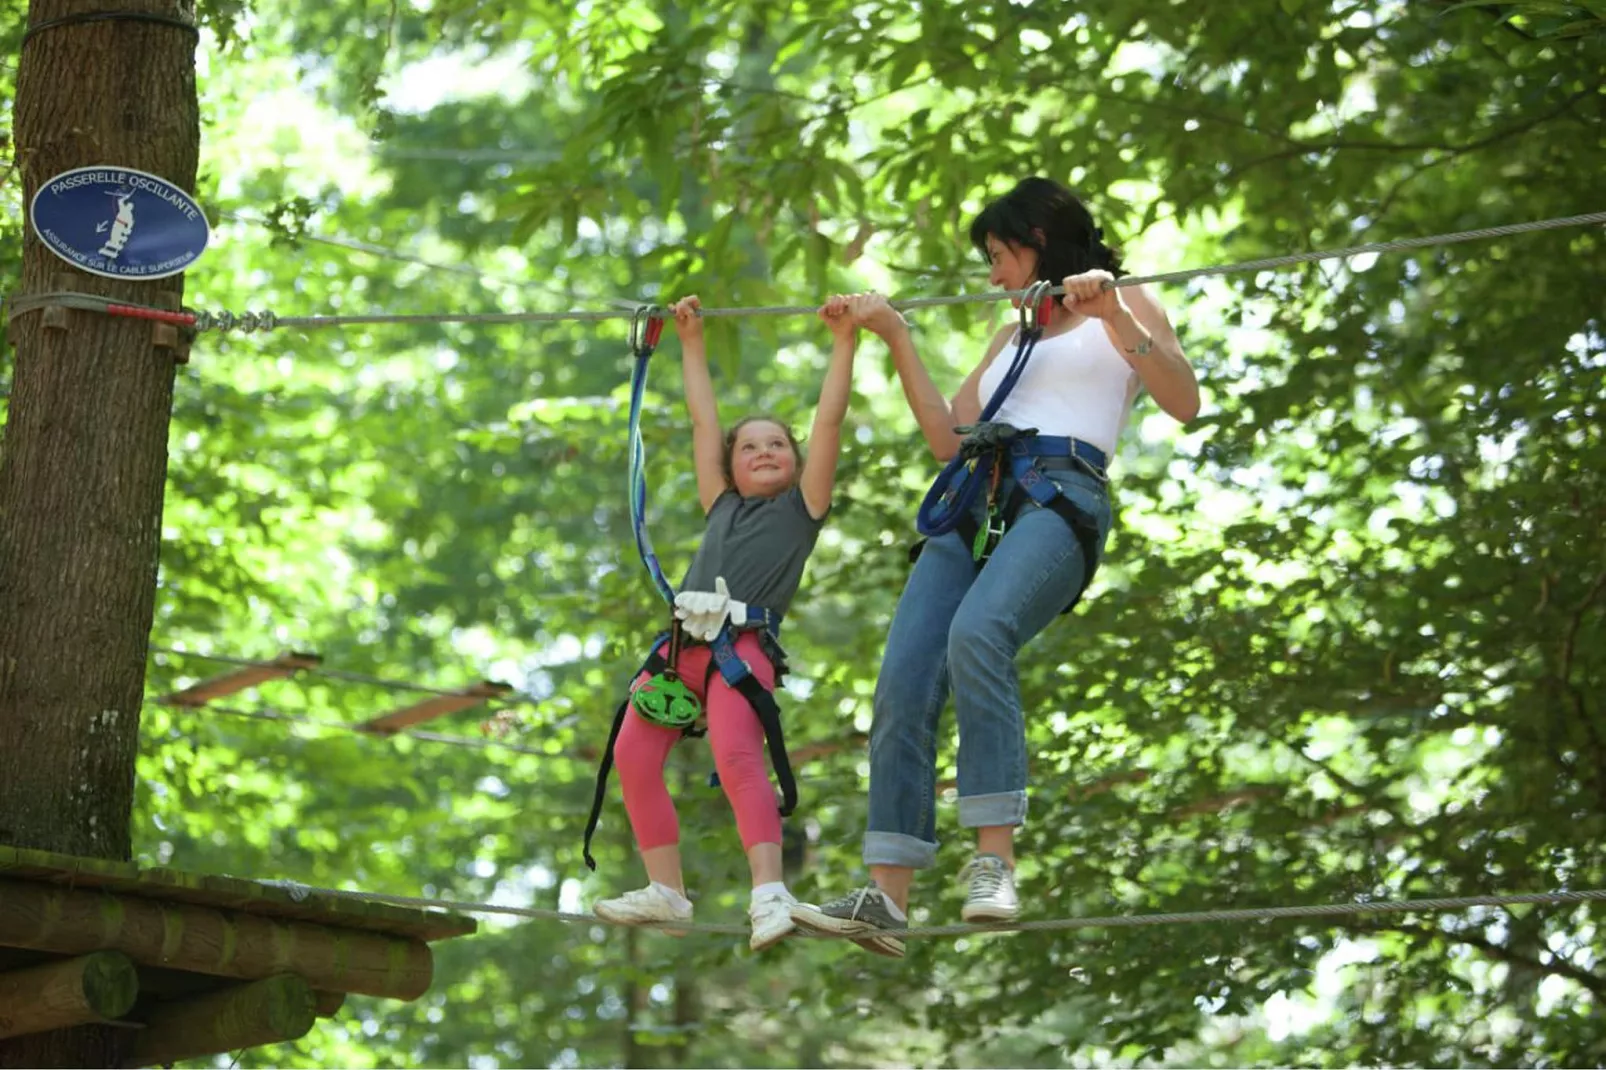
737	740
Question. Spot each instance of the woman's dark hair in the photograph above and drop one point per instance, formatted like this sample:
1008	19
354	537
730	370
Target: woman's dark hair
758	418
1041	214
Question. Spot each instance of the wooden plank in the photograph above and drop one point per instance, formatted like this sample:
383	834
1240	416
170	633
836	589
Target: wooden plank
328	1004
14	958
277	901
247	676
158	985
65	993
232	893
433	707
67	921
69	869
269	1011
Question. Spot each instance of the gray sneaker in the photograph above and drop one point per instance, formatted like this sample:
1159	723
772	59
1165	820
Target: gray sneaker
863	916
990	896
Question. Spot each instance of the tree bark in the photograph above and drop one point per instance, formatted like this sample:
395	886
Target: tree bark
85	451
688	1018
83	461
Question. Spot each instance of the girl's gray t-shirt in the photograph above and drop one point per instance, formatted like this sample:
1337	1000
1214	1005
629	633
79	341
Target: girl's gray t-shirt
759	545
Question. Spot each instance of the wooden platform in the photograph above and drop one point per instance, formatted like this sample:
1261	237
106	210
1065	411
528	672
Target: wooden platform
196	964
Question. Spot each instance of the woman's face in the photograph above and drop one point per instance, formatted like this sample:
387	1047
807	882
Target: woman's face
1014	267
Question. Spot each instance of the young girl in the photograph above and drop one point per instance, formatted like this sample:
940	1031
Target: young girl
765	505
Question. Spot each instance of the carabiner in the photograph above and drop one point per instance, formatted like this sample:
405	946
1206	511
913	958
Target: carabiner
635	330
655	325
646	327
1031	306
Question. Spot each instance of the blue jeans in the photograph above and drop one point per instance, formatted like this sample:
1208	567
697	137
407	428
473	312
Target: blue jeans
958	629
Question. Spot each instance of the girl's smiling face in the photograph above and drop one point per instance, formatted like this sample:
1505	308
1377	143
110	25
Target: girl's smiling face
762	459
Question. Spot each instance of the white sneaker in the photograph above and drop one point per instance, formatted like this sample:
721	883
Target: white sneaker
646	906
991	896
771	916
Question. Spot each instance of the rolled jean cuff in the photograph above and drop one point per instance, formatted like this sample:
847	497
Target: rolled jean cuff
986	811
896	849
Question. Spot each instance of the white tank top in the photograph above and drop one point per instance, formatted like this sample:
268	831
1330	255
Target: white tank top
1076	384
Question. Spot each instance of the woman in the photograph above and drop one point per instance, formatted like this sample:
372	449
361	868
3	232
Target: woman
979	593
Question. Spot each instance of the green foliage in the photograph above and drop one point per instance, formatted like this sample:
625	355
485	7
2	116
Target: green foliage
1348	642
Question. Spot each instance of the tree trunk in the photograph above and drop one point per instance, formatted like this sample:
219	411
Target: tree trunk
637	1056
84	461
688	1018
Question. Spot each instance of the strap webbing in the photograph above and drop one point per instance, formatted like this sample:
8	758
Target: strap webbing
642	346
954	492
655	663
769	715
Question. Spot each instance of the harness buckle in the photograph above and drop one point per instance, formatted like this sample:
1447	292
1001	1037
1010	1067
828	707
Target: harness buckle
1090	468
989	437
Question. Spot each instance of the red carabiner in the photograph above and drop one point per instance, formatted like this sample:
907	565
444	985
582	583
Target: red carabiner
644	338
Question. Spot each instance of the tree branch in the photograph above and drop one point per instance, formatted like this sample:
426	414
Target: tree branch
843	109
1564	677
1569	645
1300	148
1502	20
1344	782
1557	966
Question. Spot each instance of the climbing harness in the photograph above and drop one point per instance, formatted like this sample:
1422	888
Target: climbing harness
955	491
664	698
956	498
738	675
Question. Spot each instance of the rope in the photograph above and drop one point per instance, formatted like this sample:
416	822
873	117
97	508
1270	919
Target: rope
1116	921
353	729
80	17
386	252
17	306
267	321
346	675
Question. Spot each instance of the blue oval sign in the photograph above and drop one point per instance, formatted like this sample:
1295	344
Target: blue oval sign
120	223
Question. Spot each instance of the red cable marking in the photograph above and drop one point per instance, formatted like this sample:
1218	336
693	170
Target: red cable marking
179	319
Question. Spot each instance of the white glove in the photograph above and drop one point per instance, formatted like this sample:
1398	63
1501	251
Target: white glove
703	614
